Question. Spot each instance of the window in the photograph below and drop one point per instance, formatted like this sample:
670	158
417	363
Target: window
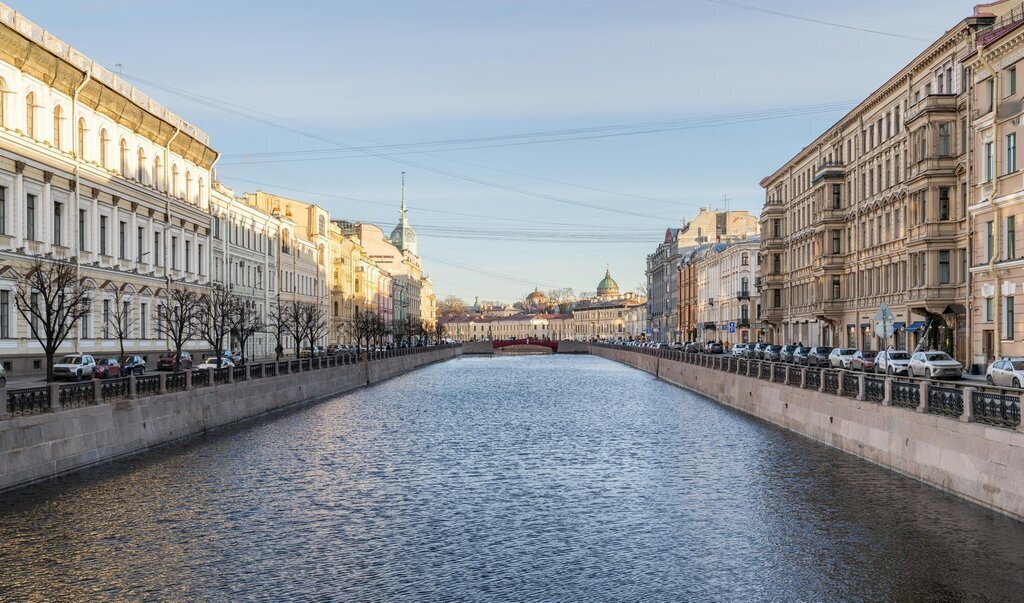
776	298
140	167
30	114
943	202
943	267
30	217
139	243
188	256
836	287
989	309
58	219
989	242
81	229
5	314
989	166
158	173
122	240
745	259
33	301
1011	236
103	235
80	151
945	139
199	259
776	263
3	208
174	180
3	101
837	196
837	246
58	117
1008	318
123	157
990	93
104	142
776	228
1011	81
188	186
106	319
174	253
157	250
1011	153
143	320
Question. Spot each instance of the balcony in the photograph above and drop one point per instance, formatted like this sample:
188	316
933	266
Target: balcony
829	170
933	103
710	326
757	282
743	294
772	241
743	323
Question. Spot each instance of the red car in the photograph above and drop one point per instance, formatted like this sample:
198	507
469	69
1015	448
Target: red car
106	368
166	362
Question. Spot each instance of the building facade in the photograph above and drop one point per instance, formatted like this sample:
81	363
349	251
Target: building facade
726	301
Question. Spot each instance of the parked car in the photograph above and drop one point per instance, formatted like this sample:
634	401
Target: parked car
75	367
893	362
786	353
133	364
213	363
1008	372
107	368
692	347
758	351
773	353
714	348
863	360
800	355
3	376
818	355
935	365
740	349
678	345
166	362
841	357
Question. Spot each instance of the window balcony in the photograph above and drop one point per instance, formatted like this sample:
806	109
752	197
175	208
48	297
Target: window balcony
828	170
757	282
933	103
711	301
743	323
743	294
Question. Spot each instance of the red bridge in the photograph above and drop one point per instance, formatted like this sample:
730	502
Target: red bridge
547	343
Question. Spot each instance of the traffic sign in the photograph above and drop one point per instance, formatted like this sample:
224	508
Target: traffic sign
732	326
884	322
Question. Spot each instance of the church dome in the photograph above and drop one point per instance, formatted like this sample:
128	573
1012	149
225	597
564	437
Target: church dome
536	297
607	287
403	236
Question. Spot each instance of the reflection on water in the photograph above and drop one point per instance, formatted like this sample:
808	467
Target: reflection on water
526	478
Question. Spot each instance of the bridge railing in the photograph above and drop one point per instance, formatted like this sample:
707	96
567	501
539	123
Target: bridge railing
963	401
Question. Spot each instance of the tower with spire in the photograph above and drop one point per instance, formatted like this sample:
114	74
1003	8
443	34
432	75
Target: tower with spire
403	236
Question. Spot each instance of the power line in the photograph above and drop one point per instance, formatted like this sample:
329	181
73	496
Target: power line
767	11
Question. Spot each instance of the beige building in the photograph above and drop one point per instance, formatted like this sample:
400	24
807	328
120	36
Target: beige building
997	194
94	169
726	299
875	211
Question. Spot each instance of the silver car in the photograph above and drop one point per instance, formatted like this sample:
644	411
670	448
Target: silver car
893	362
935	365
75	367
1008	372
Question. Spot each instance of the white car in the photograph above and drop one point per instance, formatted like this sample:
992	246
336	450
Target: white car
841	357
893	362
211	363
935	365
739	350
1008	372
75	367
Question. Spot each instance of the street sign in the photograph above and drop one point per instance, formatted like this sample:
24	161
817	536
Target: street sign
884	321
732	327
884	313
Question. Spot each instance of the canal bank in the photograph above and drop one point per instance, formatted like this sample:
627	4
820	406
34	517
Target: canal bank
981	463
68	432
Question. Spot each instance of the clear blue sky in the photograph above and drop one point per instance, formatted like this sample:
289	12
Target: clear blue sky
400	72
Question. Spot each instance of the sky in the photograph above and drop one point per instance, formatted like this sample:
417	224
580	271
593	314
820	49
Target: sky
542	140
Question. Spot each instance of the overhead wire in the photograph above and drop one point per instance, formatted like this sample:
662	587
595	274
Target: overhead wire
768	11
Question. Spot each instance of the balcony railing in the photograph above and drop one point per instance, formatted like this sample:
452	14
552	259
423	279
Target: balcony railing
931	103
829	169
743	294
711	301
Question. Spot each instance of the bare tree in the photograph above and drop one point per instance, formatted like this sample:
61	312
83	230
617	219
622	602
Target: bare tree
313	322
440	331
366	327
451	306
561	300
292	321
52	301
247	322
122	320
180	320
217	315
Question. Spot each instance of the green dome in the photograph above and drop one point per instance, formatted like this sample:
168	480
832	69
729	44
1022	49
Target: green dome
607	287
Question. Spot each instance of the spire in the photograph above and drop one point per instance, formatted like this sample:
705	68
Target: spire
403	199
403	236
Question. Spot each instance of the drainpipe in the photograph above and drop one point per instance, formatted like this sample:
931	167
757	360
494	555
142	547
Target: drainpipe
77	153
998	214
969	278
167	218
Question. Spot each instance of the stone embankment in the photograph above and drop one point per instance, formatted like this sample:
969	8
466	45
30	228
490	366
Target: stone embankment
966	440
59	428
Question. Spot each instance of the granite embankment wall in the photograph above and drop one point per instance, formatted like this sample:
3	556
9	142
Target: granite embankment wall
40	446
982	463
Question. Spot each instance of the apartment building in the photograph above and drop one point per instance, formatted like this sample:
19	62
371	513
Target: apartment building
875	210
726	301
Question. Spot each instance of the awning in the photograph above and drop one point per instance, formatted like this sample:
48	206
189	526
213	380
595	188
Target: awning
955	309
864	325
898	325
849	326
915	326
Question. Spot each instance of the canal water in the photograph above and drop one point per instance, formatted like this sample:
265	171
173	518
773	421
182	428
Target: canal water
562	478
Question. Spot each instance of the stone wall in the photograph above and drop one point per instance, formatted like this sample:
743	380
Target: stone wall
41	446
982	463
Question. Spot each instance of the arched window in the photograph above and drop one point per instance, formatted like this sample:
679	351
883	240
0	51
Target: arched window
104	141
158	173
188	187
81	138
58	118
201	191
174	180
3	102
124	157
30	114
140	167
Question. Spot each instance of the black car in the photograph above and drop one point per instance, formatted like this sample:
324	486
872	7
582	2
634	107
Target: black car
786	353
818	356
800	355
714	348
133	365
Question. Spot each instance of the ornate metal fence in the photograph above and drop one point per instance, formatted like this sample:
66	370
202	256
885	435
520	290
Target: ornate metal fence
813	379
851	385
220	375
239	373
831	385
200	378
77	395
115	389
147	385
946	401
793	376
906	394
176	381
996	407
874	388
31	401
